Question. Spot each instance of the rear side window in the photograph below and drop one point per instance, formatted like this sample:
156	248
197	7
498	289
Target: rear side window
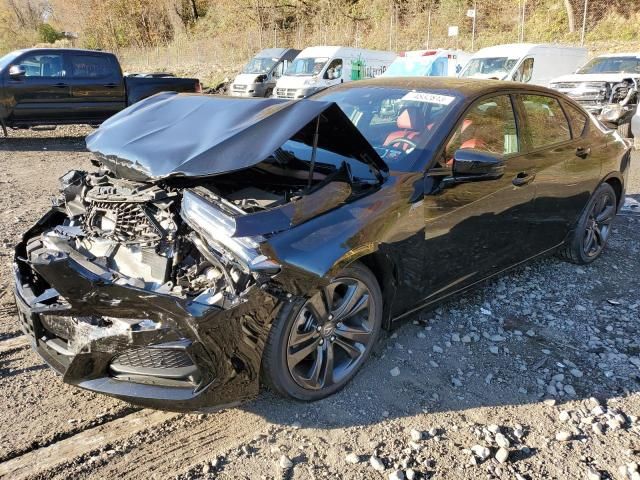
546	122
578	120
91	66
489	126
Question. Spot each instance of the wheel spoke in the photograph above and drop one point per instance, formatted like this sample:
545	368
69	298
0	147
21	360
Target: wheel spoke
351	350
327	374
294	358
355	300
588	241
606	214
298	338
598	236
316	368
318	307
353	334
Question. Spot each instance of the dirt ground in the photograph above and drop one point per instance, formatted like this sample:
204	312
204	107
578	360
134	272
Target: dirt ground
536	375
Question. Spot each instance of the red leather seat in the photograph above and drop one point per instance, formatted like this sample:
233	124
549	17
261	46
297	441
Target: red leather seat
411	124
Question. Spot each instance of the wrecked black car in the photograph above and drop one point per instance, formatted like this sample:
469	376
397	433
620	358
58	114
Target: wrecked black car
225	242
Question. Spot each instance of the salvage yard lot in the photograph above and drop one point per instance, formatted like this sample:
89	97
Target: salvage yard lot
499	356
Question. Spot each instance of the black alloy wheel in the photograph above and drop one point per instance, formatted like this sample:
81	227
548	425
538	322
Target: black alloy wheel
598	224
326	339
592	230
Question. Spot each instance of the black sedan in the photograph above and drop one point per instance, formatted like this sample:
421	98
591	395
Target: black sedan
222	241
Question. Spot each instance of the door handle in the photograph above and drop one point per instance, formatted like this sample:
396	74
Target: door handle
60	85
583	152
523	178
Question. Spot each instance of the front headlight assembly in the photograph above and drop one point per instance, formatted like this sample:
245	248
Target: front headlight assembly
218	229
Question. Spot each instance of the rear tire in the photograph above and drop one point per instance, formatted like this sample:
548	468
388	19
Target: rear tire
316	347
592	230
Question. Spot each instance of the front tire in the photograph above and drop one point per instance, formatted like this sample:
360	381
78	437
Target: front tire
592	231
316	347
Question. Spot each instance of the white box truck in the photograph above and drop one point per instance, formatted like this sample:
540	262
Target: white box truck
258	77
525	62
428	63
317	68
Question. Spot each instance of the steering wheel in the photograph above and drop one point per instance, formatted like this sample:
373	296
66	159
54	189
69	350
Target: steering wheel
399	141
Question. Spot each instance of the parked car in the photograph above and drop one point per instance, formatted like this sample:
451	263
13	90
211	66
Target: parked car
259	76
428	63
316	68
276	239
525	62
607	87
53	86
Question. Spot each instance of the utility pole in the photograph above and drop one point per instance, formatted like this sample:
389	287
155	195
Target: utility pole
473	29
429	26
584	21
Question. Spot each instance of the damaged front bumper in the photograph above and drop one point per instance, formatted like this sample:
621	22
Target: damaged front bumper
152	349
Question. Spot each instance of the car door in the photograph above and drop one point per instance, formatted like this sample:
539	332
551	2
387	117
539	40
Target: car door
562	164
42	94
97	86
473	230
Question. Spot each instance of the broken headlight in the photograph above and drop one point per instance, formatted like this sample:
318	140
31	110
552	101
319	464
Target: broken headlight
218	228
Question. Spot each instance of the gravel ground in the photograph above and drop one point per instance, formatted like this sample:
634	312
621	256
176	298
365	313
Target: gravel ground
533	376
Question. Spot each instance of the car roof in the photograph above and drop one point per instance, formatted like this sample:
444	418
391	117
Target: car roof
63	50
466	87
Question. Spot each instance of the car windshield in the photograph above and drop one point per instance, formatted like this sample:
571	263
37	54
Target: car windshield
307	66
629	64
260	65
8	59
491	66
410	67
397	122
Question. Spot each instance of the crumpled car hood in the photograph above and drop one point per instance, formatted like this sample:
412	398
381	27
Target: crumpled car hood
205	135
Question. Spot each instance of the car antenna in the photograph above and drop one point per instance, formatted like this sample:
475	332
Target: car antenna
314	150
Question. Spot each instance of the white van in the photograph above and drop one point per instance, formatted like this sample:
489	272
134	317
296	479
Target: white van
316	68
428	63
525	62
258	77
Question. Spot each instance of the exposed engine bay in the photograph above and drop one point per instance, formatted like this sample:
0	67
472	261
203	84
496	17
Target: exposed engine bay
135	230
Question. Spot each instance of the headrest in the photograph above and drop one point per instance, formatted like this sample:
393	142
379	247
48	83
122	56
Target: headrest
411	118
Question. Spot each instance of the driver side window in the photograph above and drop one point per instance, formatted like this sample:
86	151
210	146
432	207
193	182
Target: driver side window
334	70
490	126
43	65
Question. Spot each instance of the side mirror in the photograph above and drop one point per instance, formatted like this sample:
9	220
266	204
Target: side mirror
17	71
475	165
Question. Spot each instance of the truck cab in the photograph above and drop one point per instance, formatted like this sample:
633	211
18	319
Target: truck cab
55	86
258	77
317	68
530	63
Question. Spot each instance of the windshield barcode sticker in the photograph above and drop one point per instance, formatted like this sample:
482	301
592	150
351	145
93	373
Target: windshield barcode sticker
429	98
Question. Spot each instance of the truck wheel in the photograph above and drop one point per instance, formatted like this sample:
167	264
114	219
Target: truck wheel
624	129
316	347
268	93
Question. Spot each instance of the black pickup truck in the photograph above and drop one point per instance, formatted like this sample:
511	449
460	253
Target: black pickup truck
42	87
